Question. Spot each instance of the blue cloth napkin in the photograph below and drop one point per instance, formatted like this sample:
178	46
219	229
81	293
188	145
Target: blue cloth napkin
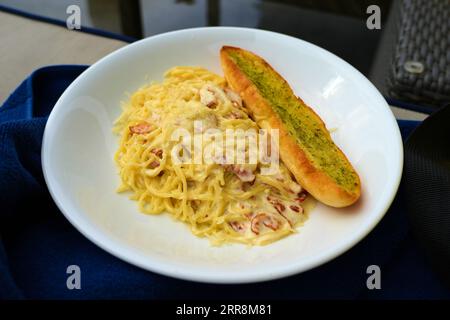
38	243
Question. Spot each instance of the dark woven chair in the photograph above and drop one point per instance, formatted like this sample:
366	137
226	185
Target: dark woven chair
420	70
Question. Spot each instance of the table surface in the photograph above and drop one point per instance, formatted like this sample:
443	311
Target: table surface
29	44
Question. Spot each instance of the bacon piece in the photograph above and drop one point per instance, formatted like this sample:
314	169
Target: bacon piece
237	226
296	208
277	204
207	96
157	152
211	94
266	220
234	115
280	207
301	197
153	164
272	223
243	174
141	128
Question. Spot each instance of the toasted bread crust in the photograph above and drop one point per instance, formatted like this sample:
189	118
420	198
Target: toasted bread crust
314	180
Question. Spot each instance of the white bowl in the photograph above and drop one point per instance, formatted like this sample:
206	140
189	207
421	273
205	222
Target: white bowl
78	148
